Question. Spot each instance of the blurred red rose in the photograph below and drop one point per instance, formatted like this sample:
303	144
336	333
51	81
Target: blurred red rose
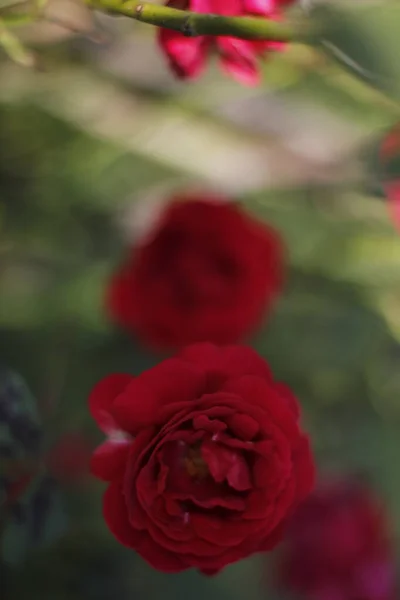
389	155
188	55
338	546
207	274
68	460
205	458
392	191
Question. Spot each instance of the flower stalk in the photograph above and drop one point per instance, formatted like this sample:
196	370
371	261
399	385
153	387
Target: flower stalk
194	24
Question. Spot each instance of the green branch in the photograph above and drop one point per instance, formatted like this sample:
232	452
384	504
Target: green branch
194	24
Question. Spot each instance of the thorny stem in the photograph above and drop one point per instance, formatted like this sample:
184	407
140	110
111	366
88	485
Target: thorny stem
194	24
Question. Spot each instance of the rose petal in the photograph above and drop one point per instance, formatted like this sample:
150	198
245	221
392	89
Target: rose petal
108	461
286	393
102	398
243	426
186	55
230	361
172	381
116	515
239	59
260	7
158	557
226	464
264	395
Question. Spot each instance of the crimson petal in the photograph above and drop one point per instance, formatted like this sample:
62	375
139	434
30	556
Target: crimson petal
102	398
232	361
116	515
108	461
172	381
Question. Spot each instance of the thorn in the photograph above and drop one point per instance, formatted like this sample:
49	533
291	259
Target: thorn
187	28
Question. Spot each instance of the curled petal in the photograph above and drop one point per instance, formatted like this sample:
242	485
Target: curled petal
226	464
102	397
286	393
230	361
239	59
172	381
264	396
187	56
160	558
260	7
116	515
109	460
243	426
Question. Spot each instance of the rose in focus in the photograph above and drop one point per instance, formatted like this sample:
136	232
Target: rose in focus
239	58
208	273
338	546
205	458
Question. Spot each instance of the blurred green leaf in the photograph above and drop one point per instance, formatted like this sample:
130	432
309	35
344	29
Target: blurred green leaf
14	48
360	44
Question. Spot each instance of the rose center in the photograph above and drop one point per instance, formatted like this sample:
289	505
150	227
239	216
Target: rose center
195	464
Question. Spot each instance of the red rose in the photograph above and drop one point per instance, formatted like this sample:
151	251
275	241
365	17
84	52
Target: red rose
338	546
205	458
208	273
238	58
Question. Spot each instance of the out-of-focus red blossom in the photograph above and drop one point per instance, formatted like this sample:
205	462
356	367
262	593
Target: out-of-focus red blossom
239	58
389	151
338	546
208	273
205	458
392	190
69	459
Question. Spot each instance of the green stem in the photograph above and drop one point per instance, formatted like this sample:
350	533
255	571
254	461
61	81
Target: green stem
194	24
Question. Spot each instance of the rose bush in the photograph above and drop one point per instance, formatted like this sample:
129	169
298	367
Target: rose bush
188	56
208	273
205	458
338	546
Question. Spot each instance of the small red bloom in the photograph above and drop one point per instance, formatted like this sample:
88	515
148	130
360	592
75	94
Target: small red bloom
205	458
188	55
389	154
68	460
208	273
338	546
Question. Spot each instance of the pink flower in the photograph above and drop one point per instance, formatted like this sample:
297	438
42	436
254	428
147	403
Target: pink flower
239	58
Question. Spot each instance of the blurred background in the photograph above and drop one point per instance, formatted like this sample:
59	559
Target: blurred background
92	131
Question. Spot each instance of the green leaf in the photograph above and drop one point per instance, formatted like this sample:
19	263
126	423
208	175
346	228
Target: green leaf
353	37
13	47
